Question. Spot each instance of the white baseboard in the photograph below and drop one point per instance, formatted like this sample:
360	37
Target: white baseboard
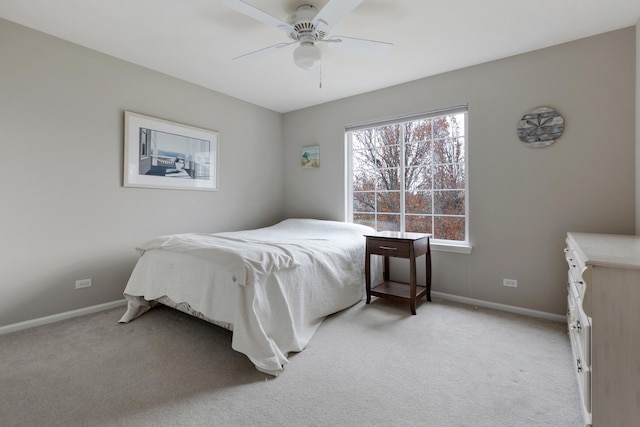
15	327
502	307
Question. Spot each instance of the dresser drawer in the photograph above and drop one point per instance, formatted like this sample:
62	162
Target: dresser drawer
581	353
584	382
389	247
577	270
568	255
579	331
575	263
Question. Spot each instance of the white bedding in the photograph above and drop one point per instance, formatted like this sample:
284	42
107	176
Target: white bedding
272	286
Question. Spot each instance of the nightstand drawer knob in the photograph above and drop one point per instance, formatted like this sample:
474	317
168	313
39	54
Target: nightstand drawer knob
388	248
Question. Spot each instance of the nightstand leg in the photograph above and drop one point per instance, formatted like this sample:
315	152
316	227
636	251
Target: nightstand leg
385	271
412	282
367	275
428	270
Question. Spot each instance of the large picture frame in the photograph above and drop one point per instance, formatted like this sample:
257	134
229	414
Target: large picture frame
163	154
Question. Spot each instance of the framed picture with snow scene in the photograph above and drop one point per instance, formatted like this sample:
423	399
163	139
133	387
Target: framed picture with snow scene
163	154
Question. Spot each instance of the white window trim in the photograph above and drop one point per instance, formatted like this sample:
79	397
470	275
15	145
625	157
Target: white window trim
462	247
440	246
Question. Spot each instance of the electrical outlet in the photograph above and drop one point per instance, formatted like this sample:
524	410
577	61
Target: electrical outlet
510	283
84	283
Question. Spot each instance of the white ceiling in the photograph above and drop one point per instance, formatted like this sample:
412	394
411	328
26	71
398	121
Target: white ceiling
195	40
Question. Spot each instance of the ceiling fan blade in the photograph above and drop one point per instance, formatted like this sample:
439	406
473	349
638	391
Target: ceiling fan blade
333	12
262	52
257	14
368	47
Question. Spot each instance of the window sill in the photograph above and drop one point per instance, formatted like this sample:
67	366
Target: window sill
463	248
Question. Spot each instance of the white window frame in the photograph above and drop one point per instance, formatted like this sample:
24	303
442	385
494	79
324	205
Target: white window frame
436	244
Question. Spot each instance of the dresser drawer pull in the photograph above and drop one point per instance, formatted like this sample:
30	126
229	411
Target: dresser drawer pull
388	248
579	365
577	326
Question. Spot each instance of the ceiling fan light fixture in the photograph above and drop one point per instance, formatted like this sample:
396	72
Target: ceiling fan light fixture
307	56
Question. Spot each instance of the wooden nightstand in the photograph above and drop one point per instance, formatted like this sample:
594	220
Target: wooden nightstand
399	245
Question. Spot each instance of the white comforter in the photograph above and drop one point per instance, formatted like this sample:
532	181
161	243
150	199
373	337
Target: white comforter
274	285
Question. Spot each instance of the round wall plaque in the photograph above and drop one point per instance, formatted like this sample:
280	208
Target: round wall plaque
540	127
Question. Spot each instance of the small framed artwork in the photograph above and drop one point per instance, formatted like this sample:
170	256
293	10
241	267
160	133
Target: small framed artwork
163	154
311	156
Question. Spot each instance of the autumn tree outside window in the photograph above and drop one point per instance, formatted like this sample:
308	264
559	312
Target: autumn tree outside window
409	174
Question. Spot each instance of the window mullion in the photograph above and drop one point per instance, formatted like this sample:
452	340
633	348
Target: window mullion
432	162
402	166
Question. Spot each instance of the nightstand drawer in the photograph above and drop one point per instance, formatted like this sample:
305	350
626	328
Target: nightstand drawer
388	247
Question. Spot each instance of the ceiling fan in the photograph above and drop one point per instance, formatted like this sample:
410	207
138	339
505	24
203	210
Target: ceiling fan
308	27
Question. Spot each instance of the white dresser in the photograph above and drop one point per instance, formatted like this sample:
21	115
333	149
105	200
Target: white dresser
604	325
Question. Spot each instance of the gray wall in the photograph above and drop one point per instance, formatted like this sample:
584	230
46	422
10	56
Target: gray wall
64	212
522	201
638	127
66	216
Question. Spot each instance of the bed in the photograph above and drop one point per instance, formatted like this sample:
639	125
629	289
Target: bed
271	286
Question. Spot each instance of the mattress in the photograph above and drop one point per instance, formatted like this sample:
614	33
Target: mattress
271	286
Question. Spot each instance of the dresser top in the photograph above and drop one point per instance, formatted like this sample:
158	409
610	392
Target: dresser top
608	250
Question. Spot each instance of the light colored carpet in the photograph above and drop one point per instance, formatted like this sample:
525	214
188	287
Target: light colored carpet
450	365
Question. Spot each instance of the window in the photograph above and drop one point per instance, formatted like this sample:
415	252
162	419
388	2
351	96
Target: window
410	175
